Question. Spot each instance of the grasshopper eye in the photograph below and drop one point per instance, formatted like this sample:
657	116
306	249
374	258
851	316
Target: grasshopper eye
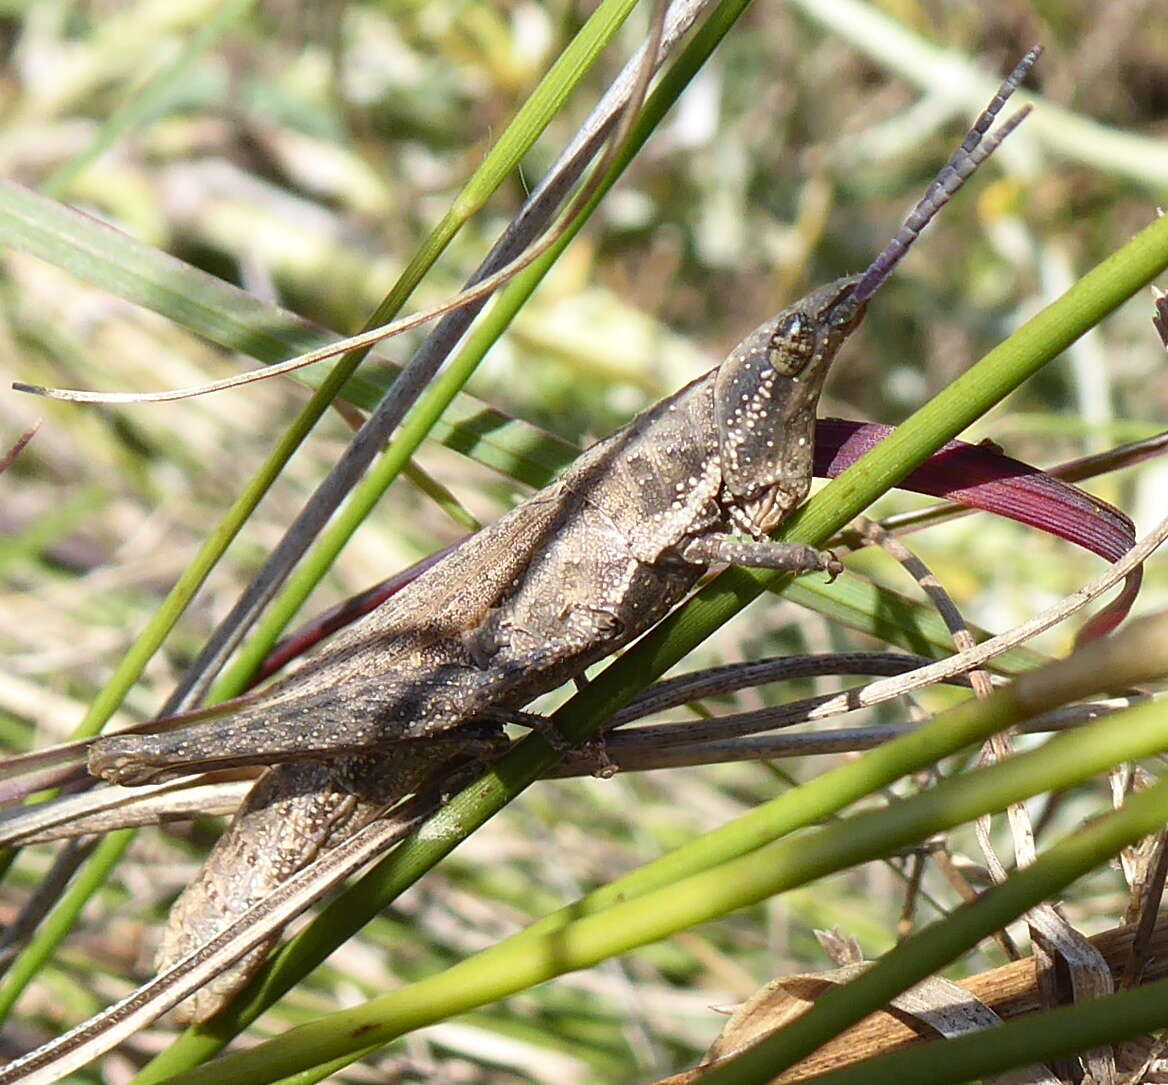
793	344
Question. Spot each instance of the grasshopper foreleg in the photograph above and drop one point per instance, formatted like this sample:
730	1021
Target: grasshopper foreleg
761	554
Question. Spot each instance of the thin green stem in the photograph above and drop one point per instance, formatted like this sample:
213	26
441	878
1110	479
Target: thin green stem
60	922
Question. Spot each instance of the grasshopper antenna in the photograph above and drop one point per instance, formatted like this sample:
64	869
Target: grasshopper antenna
974	150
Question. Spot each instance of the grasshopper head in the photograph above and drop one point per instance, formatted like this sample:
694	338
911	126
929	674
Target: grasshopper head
765	395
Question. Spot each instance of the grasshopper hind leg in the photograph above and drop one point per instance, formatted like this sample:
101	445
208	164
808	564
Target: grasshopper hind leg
293	815
359	716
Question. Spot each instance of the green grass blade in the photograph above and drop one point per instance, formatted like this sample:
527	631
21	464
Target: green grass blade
934	947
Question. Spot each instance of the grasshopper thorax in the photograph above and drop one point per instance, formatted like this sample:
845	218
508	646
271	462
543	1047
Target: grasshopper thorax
765	396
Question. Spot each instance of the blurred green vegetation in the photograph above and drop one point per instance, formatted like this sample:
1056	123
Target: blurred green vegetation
302	155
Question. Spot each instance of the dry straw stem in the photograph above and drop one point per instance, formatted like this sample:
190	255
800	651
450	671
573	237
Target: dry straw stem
1010	991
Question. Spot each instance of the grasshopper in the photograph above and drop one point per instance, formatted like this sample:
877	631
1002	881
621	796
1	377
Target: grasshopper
568	577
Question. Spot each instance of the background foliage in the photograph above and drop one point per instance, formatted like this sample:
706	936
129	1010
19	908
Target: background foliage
303	154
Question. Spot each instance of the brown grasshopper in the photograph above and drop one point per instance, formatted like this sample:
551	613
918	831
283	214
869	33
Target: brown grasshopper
567	578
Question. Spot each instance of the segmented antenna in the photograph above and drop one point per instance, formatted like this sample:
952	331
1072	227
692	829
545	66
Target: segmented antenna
961	165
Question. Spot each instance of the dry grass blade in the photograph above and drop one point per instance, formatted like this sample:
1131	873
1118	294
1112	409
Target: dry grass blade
740	724
631	753
1147	892
871	532
107	807
734	677
18	446
669	746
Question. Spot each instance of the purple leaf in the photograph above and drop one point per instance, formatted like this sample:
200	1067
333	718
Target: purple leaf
981	477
